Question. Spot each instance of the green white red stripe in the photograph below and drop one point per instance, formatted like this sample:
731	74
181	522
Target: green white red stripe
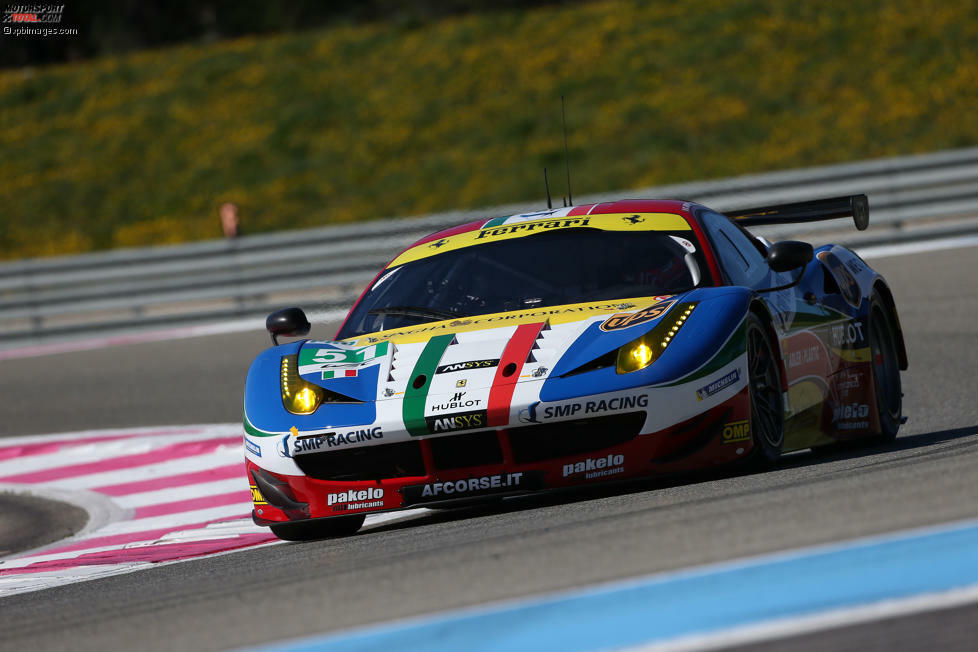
419	384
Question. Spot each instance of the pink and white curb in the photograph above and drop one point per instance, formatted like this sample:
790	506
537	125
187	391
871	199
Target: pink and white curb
154	495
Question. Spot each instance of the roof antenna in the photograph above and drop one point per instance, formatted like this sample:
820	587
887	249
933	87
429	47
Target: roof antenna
547	185
563	120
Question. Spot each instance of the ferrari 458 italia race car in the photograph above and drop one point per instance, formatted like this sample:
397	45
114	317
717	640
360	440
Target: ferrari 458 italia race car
569	347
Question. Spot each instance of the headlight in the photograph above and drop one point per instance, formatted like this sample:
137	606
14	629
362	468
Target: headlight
642	352
298	396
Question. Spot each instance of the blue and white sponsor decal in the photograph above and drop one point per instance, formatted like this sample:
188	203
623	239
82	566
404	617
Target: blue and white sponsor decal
718	385
252	447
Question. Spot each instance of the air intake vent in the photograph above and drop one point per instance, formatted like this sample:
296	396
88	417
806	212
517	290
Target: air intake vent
607	360
555	440
366	463
459	451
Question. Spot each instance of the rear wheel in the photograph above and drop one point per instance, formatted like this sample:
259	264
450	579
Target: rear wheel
766	407
324	528
886	368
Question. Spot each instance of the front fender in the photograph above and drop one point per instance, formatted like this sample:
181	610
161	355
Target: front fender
711	337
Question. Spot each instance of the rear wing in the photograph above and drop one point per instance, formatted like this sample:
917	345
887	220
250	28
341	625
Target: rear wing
816	210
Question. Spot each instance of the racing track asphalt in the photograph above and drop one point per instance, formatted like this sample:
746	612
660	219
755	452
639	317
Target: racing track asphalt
524	547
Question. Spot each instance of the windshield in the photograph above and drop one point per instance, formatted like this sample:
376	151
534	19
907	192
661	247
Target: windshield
544	269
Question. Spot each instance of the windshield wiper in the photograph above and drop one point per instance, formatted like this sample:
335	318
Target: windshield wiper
431	314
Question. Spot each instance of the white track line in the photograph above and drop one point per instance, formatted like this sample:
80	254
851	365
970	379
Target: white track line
833	619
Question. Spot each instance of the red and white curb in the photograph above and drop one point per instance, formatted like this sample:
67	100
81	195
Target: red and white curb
154	495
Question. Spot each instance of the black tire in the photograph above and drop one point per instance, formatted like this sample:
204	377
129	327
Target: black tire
321	528
886	368
766	404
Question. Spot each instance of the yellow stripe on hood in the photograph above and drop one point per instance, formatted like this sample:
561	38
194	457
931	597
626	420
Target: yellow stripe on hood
553	314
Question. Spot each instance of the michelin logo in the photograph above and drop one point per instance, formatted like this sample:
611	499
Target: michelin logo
718	385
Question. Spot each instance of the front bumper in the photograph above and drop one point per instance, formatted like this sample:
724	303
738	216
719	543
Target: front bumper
501	462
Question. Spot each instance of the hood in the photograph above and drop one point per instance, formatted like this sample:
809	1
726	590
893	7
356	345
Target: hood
463	356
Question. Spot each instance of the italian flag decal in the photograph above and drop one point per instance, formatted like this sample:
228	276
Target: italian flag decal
420	383
508	371
339	373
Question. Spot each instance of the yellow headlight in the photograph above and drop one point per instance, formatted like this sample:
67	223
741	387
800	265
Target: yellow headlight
298	396
642	352
637	355
305	401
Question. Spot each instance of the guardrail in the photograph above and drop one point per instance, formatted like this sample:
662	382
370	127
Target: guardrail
325	268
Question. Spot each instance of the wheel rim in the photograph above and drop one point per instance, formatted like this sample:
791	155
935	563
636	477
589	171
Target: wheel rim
885	378
765	391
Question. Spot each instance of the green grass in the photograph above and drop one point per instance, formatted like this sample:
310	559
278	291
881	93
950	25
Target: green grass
360	122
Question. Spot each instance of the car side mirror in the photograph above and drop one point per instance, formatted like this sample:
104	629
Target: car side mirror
789	255
288	322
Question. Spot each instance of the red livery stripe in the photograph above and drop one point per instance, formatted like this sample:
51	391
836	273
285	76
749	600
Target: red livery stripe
516	352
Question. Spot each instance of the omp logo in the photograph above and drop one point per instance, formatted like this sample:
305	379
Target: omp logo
461	421
736	431
465	366
629	319
256	496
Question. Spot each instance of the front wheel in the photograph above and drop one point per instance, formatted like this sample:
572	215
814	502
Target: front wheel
764	381
324	528
886	368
